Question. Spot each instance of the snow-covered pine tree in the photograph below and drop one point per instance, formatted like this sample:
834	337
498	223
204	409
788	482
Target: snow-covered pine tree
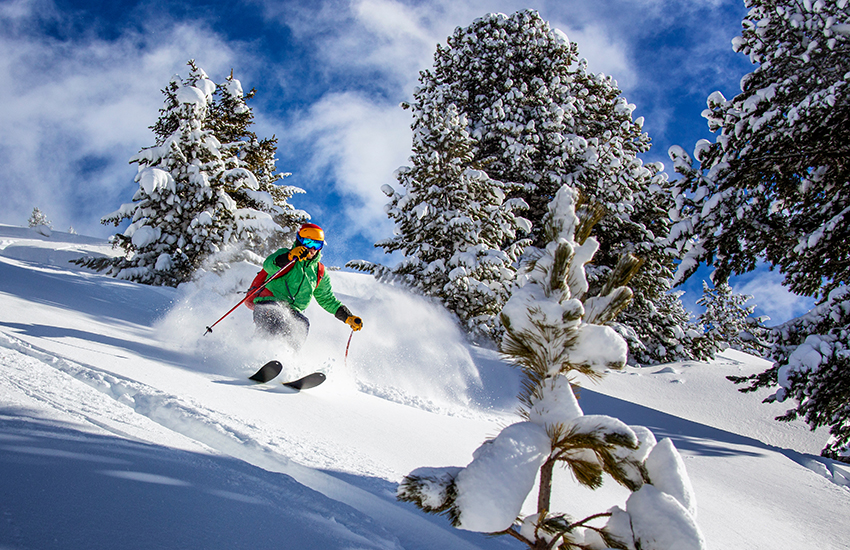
669	334
539	119
554	329
451	224
251	176
178	213
195	195
39	222
38	218
774	184
729	322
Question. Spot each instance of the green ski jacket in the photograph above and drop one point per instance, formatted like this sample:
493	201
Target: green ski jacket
298	286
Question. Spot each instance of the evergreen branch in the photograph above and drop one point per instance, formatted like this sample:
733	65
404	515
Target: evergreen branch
626	268
587	519
511	531
590	214
560	270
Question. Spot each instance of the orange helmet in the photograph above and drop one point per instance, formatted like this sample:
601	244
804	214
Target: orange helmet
311	236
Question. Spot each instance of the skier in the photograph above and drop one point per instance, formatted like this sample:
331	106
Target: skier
278	309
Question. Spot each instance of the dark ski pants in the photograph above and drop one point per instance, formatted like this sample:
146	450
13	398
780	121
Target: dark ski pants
279	320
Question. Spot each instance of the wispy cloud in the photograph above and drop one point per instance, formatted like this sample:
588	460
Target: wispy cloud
605	53
76	109
770	297
358	143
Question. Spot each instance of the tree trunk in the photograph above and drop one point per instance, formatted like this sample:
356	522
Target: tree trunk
544	495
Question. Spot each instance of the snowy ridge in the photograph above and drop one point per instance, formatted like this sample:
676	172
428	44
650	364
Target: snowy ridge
116	413
42	378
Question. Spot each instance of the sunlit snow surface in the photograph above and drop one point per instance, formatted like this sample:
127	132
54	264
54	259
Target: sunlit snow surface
123	426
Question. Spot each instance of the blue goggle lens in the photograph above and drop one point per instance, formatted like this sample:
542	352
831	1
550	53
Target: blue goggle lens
310	243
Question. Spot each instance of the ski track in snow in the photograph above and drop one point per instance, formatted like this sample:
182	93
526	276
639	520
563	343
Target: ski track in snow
212	430
123	400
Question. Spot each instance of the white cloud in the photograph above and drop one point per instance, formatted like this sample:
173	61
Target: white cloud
397	39
360	144
390	19
770	297
387	38
17	12
604	53
79	110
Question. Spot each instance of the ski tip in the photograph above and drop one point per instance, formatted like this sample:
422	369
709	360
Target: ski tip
267	372
307	382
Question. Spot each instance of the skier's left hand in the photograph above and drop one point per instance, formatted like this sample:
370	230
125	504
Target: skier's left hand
356	323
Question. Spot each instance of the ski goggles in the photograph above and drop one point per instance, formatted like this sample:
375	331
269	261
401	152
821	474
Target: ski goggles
311	243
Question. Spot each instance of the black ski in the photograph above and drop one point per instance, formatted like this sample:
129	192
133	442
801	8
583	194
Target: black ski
267	372
273	368
307	382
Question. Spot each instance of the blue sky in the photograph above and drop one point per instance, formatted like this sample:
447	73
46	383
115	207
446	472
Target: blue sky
82	80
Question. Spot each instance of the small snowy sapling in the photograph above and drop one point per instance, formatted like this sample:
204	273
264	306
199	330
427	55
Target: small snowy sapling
554	329
38	221
729	323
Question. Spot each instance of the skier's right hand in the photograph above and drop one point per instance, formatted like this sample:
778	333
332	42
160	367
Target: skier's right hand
299	253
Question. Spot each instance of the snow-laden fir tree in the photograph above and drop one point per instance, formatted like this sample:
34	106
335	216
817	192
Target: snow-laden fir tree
196	195
728	321
775	184
178	213
251	160
538	116
554	329
451	224
37	217
539	119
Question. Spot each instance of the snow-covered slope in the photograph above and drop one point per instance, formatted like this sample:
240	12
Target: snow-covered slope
123	426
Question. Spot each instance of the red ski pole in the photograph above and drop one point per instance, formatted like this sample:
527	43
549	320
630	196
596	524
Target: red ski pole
251	295
345	360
